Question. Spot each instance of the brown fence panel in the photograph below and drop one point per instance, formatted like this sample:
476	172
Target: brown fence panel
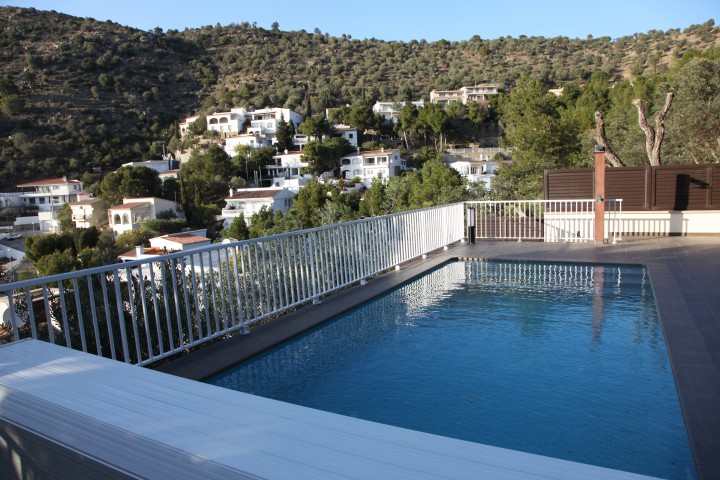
685	187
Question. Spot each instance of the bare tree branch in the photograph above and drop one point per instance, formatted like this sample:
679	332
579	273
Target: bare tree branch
660	126
602	140
646	128
653	139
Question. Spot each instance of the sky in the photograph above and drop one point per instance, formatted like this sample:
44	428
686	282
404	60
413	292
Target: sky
455	20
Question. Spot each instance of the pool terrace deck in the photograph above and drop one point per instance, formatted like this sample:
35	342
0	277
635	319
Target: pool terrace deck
131	421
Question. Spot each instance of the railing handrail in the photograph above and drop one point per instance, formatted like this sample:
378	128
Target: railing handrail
208	248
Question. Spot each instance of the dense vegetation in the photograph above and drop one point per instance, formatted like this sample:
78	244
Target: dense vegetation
78	95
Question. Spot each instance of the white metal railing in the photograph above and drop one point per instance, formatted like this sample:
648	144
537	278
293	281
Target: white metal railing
545	220
142	311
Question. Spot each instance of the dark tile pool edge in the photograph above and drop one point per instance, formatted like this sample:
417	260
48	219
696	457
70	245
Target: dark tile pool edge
212	359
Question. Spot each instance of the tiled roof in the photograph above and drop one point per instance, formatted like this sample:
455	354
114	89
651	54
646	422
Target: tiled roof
51	181
265	193
129	205
146	251
184	238
372	152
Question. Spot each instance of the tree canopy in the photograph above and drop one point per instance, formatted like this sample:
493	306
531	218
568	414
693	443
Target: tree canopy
129	182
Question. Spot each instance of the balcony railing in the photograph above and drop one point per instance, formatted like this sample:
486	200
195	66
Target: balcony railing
545	220
146	310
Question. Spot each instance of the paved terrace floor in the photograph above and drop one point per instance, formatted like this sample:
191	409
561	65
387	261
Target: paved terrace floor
134	422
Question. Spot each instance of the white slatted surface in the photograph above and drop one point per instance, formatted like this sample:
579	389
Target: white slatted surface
147	422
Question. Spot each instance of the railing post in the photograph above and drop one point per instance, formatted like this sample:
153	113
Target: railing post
599	193
471	224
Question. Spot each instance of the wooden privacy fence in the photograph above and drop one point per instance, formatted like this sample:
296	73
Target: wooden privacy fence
684	187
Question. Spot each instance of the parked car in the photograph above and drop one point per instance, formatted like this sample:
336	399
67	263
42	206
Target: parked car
13	236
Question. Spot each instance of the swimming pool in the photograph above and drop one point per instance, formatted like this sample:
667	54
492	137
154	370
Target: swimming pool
560	360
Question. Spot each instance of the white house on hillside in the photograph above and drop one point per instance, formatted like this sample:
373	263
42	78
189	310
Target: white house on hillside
249	201
185	126
389	110
88	212
266	120
134	211
477	170
48	196
159	166
173	242
170	243
253	139
348	133
475	93
227	123
287	171
367	165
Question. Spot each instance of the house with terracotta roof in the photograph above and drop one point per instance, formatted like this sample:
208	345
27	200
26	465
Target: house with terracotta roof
370	164
170	243
48	196
249	201
88	212
134	211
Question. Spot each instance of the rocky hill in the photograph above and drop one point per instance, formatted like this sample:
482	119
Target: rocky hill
78	94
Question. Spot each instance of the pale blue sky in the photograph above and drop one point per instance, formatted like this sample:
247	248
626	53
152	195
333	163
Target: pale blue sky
404	20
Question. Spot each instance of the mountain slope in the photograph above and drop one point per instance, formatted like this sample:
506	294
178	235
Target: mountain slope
78	94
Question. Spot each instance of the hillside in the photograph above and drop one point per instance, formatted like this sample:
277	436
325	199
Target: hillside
77	94
92	94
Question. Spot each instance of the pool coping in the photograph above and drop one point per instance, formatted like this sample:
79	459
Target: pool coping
682	270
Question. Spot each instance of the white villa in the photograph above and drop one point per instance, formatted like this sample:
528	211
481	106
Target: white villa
48	196
134	211
160	166
261	126
88	212
477	170
299	140
266	120
348	133
185	126
287	171
170	243
250	200
367	165
254	140
389	110
227	123
476	93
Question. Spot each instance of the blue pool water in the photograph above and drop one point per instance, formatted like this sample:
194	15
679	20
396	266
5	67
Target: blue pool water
561	360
